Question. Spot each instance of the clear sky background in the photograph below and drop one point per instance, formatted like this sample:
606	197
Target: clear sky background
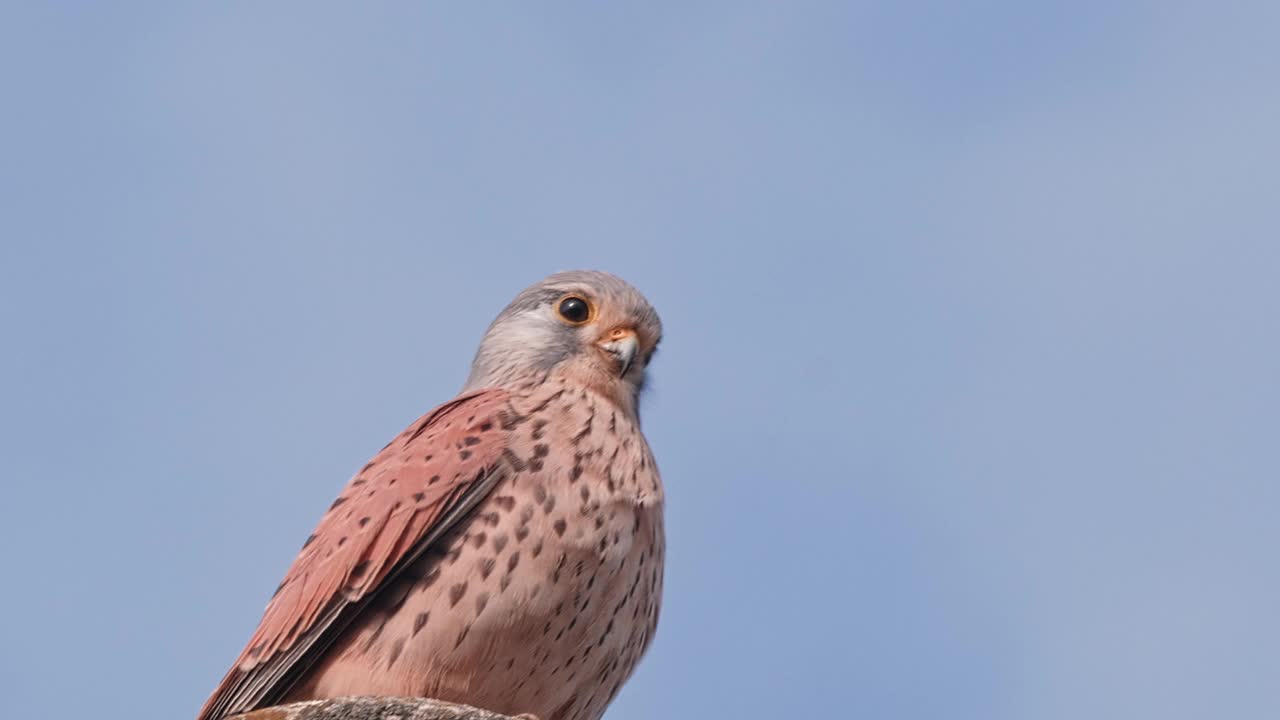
969	401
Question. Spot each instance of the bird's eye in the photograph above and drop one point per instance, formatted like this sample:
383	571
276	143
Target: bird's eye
574	310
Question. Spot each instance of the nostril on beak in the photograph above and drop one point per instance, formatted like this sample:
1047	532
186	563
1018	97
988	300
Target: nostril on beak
623	345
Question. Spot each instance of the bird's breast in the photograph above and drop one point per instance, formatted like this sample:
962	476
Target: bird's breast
541	601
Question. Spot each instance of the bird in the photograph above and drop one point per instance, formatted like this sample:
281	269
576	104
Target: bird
506	549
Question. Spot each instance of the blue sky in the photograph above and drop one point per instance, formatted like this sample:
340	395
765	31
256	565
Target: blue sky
968	404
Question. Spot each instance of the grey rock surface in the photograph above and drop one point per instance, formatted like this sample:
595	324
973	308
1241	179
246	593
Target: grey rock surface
372	708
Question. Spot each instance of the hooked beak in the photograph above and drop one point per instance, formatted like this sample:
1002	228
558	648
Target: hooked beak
623	345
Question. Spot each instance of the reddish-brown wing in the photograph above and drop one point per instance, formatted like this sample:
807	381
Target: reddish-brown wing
391	511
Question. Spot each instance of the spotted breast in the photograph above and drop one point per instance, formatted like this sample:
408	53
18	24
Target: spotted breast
543	600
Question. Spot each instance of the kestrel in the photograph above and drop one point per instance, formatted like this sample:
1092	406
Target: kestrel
506	549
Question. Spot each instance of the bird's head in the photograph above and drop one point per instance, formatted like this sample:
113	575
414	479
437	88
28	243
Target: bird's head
587	327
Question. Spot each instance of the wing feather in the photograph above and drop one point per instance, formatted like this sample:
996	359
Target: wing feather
392	511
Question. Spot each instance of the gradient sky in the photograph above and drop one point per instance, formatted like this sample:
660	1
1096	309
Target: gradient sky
969	401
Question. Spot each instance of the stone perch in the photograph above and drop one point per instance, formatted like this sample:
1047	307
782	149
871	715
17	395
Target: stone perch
372	708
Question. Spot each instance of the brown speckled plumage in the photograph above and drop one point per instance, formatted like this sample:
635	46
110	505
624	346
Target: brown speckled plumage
505	551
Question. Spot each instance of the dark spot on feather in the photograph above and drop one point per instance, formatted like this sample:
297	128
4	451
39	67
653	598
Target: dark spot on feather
456	592
513	561
419	621
419	497
549	505
478	539
537	549
486	568
522	532
422	427
486	426
535	465
364	521
509	421
539	494
396	648
462	636
506	502
543	405
481	600
434	479
499	542
337	502
586	428
559	527
513	460
310	539
541	450
359	570
470	440
342	541
357	482
464	454
608	629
